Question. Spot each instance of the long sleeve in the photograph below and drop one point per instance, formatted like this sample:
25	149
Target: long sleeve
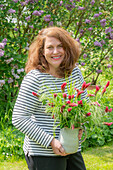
24	109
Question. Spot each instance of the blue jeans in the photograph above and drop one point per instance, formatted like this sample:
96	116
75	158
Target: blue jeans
70	162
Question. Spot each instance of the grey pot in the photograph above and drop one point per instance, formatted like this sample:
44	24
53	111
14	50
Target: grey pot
69	139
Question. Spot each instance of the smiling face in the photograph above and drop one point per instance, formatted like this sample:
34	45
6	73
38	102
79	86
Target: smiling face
54	53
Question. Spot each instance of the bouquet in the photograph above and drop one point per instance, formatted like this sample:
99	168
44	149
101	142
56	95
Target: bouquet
73	112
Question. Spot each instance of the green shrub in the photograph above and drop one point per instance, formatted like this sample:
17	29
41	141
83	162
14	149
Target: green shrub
11	143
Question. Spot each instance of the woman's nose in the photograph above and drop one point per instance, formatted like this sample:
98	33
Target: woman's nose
55	50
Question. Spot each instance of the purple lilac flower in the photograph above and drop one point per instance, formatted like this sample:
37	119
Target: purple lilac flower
20	70
82	64
99	71
15	1
51	23
100	13
15	66
16	76
1	53
109	66
78	40
111	36
81	31
87	21
28	18
31	1
31	26
47	18
73	5
2	82
81	8
41	11
4	40
37	13
96	15
16	29
108	30
70	7
2	45
90	29
23	3
103	22
85	55
10	80
107	37
11	11
61	2
96	43
9	60
1	6
92	2
102	42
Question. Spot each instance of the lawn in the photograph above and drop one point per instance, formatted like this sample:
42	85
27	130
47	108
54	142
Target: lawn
99	158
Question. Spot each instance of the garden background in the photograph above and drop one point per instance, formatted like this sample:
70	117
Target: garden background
89	22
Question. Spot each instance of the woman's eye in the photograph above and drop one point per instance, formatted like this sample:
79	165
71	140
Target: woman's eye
60	46
50	47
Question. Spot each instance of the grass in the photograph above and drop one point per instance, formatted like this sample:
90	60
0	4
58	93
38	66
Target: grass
16	165
98	158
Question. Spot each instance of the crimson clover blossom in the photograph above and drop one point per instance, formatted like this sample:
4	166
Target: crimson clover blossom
71	110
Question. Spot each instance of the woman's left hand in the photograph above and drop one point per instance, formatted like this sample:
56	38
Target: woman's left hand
80	134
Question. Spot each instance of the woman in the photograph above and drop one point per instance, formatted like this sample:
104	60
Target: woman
52	55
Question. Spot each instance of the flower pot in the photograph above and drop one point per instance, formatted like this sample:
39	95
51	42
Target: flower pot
69	139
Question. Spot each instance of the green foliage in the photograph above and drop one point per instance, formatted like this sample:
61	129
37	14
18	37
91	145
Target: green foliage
98	136
11	142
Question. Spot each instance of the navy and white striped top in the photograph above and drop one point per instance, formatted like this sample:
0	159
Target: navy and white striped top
29	114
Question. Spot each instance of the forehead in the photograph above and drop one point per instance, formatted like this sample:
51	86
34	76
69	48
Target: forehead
52	41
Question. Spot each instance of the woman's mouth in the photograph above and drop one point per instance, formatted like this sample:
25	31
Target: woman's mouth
56	57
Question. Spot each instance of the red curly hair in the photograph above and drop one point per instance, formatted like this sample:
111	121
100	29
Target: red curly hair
36	59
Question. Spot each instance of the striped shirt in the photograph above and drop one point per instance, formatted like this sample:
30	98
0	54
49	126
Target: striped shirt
29	114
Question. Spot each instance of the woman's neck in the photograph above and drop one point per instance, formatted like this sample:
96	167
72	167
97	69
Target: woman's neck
54	73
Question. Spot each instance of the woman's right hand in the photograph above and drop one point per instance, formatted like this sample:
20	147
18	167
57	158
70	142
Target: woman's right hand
57	147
